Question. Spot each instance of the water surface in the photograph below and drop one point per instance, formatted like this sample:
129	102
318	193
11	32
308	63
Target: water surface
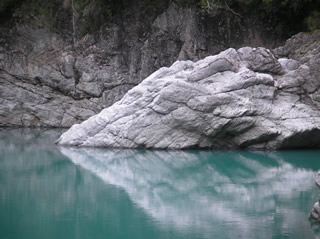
51	192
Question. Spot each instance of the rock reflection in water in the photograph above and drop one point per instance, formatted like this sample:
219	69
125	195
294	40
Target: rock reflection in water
244	195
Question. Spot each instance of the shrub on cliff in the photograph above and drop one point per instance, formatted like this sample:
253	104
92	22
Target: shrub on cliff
313	21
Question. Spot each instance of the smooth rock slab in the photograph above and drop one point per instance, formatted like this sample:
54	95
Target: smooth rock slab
238	98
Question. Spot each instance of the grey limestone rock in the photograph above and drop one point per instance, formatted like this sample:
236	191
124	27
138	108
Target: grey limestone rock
317	179
315	211
239	98
47	78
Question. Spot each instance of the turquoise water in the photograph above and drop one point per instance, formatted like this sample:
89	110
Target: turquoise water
51	192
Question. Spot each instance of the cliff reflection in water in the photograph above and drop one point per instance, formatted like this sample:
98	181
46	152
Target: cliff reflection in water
244	195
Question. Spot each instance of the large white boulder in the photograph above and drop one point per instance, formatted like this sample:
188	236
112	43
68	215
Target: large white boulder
239	98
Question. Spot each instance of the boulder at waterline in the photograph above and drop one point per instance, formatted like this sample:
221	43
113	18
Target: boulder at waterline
239	98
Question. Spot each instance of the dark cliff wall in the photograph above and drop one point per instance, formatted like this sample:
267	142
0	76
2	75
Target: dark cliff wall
65	60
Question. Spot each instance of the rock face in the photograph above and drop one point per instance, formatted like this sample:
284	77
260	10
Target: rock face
239	98
315	211
45	80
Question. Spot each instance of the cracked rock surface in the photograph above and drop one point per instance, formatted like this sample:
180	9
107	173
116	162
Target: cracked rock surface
47	78
246	98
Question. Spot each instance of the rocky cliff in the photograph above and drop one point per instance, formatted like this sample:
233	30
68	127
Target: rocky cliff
244	98
50	76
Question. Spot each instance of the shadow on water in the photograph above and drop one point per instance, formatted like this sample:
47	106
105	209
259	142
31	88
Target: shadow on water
151	194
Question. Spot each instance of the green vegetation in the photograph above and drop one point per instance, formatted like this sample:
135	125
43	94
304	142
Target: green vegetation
285	17
82	4
313	21
4	4
291	13
45	7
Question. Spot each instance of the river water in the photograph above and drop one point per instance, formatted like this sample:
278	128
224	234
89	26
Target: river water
55	192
